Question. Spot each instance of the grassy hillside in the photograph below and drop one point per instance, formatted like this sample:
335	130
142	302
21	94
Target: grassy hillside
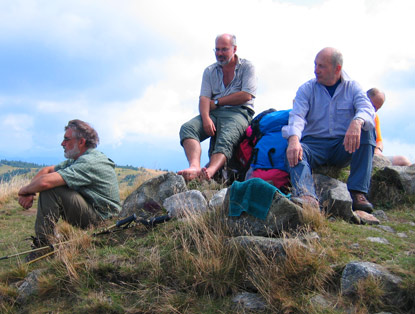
191	267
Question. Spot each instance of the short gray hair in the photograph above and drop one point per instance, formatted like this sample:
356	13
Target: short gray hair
232	38
337	58
85	131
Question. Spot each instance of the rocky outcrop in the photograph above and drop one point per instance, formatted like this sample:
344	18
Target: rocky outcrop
333	196
357	271
185	204
147	200
282	215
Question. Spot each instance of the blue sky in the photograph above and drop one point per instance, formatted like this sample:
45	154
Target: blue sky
133	68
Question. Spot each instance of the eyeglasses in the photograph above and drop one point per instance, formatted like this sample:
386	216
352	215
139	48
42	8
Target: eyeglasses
67	139
220	49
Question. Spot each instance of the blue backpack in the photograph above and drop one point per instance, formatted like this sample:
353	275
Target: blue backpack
269	150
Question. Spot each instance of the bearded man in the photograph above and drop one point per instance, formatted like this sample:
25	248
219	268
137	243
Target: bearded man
83	190
226	106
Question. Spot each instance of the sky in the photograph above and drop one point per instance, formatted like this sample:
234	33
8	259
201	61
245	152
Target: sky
133	68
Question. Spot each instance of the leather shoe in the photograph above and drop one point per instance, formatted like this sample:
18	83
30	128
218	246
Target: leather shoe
360	202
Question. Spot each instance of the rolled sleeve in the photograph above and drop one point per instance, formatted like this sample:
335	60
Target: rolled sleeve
297	120
249	79
364	109
206	89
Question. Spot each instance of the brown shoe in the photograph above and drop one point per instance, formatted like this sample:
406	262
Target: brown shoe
360	202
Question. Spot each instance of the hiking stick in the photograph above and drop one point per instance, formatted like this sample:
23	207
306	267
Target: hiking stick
133	218
126	221
41	257
35	250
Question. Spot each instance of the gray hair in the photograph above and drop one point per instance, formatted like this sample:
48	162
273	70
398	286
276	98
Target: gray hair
83	130
231	36
337	58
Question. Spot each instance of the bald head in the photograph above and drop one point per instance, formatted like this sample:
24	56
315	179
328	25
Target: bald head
228	37
327	66
377	97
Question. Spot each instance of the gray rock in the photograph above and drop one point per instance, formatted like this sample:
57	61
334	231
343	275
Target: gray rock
147	200
366	218
271	247
355	246
320	301
249	301
400	177
29	286
380	162
387	228
282	215
334	196
380	214
185	204
377	240
218	199
402	235
356	271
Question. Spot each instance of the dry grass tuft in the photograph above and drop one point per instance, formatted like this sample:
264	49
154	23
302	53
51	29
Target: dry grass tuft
313	219
126	190
202	258
9	189
370	293
304	269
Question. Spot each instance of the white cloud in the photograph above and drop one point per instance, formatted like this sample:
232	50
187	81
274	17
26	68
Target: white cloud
17	128
280	37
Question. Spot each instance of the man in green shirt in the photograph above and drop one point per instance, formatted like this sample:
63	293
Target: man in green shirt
83	190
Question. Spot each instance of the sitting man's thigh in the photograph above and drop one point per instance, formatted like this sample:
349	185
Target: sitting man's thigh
75	209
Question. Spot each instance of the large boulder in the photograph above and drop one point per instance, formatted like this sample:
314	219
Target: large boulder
185	204
334	196
380	161
147	200
356	271
391	185
282	215
270	247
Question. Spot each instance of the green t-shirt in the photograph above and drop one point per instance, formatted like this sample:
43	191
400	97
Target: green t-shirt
93	176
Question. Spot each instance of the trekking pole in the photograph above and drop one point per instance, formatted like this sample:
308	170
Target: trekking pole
133	218
41	257
51	246
121	223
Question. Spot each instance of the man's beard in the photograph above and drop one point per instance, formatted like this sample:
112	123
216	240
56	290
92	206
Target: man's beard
73	153
224	62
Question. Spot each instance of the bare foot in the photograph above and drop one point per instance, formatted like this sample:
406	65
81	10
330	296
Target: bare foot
205	174
190	173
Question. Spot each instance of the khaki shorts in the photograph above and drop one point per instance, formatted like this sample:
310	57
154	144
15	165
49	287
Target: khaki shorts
230	123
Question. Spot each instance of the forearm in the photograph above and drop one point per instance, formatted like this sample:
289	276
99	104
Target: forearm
236	99
204	107
42	182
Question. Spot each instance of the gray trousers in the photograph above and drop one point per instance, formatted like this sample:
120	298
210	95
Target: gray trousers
66	203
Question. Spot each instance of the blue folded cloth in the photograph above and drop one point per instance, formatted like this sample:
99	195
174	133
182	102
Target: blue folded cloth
253	196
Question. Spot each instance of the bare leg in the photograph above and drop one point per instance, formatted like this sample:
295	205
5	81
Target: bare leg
400	161
193	152
216	162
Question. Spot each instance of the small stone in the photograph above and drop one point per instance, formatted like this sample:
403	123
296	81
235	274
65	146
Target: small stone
250	301
387	229
366	218
401	235
378	240
355	246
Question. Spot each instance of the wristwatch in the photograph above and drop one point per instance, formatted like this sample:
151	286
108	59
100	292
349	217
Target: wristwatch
216	102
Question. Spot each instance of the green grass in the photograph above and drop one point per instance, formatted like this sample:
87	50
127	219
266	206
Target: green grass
189	267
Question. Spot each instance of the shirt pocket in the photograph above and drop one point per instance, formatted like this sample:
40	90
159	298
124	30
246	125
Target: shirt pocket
345	111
